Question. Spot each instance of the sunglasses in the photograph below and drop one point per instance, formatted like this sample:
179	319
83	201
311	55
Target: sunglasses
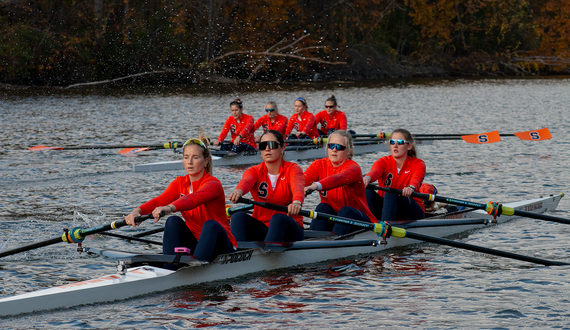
398	142
271	109
339	147
330	106
271	144
195	141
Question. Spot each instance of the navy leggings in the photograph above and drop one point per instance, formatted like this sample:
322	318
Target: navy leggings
236	149
213	240
393	207
335	227
282	228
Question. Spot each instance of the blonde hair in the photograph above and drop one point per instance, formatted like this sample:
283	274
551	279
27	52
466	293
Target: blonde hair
348	141
205	151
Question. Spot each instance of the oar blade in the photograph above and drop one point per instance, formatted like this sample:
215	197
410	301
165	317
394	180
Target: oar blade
131	151
40	148
536	135
483	138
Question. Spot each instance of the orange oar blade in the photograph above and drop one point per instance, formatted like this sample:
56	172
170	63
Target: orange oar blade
40	148
130	151
482	138
540	134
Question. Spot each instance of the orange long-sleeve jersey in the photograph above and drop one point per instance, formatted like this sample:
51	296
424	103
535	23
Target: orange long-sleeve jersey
289	187
279	125
241	127
412	173
341	186
337	121
206	201
305	123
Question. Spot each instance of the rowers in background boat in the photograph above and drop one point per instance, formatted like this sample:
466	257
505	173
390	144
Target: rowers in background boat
276	181
331	119
200	198
302	122
401	170
240	127
272	120
339	180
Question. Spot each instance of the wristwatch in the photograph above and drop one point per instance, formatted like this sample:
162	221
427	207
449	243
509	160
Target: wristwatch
413	188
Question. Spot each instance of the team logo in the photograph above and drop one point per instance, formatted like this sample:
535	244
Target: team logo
263	190
388	181
323	193
233	128
265	127
325	124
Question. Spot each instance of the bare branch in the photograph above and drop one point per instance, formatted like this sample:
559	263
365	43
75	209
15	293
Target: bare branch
113	80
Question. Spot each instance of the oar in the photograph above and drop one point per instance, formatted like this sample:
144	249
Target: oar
168	145
386	230
75	235
491	208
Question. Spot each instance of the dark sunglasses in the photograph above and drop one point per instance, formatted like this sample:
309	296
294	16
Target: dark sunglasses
271	144
330	106
271	109
398	142
338	147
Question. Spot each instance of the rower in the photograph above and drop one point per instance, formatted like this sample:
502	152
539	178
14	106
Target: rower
401	170
302	121
239	125
272	120
331	119
275	181
199	196
338	178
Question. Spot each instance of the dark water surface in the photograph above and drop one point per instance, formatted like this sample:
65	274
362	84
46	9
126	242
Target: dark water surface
426	286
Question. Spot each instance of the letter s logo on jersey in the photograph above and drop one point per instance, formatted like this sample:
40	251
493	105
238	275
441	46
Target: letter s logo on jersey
325	124
262	190
388	181
233	128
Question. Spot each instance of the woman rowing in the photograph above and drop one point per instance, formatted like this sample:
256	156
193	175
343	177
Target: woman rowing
272	120
331	119
302	121
275	181
239	125
199	197
401	170
339	180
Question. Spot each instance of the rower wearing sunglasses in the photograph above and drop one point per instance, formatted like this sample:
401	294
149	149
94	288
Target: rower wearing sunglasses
401	170
239	125
331	119
272	120
302	121
275	181
199	197
339	180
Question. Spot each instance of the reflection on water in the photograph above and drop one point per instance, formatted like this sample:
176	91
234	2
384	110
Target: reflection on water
426	285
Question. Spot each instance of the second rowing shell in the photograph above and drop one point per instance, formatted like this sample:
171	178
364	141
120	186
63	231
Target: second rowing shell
292	153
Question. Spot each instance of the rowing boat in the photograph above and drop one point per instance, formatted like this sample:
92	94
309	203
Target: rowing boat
294	153
252	257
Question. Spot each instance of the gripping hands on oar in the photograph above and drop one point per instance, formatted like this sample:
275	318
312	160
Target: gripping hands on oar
491	208
75	235
386	230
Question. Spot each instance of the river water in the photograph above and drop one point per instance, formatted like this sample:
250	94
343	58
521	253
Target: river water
426	285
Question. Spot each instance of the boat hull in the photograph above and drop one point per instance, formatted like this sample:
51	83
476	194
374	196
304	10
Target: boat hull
253	158
147	279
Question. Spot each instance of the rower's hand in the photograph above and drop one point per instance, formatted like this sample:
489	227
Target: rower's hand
300	134
130	219
161	211
366	180
310	188
216	143
235	195
236	141
293	209
407	192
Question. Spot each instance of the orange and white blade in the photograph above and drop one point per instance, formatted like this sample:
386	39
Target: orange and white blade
483	138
